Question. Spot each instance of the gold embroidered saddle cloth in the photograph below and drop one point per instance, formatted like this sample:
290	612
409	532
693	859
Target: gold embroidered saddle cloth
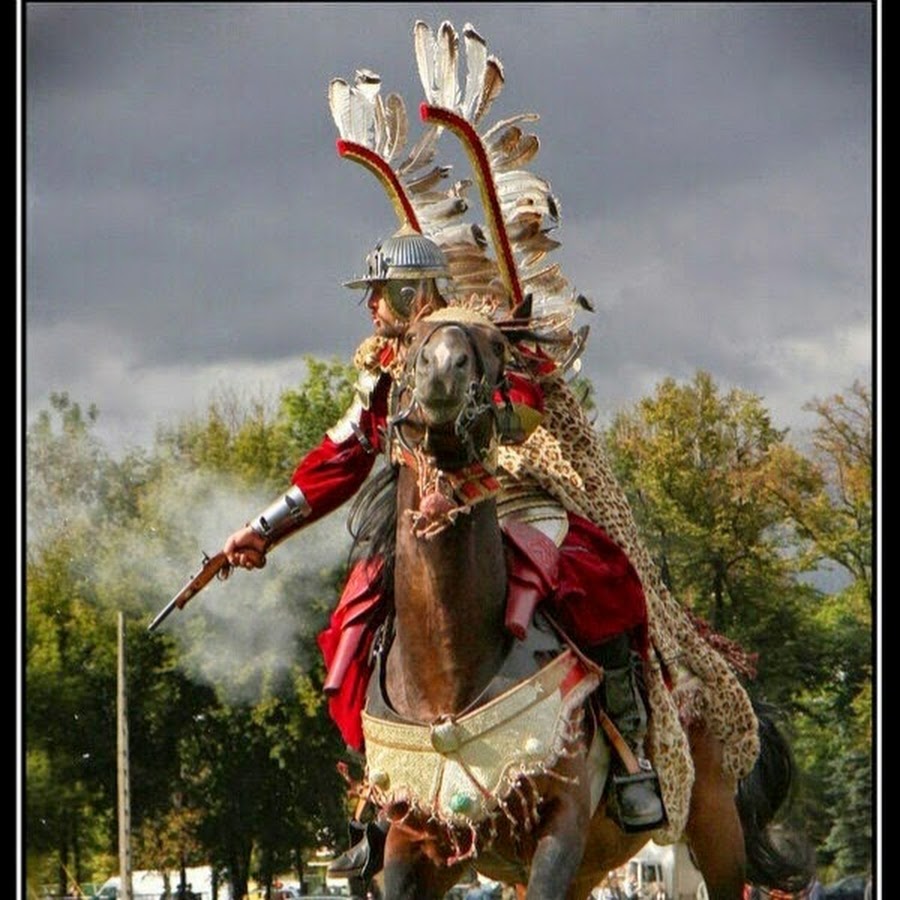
460	769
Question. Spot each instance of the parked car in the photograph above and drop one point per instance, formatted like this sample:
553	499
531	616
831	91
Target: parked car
853	887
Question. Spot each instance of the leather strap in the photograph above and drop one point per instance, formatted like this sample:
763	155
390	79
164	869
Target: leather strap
619	743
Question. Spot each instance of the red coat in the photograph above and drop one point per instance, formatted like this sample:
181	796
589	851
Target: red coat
594	591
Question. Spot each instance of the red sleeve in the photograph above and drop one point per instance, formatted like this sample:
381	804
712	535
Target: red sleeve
331	473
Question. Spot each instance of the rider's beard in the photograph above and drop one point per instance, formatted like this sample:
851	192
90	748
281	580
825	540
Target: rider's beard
391	329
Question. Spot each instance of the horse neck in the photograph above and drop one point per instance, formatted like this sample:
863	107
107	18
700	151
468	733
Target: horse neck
450	600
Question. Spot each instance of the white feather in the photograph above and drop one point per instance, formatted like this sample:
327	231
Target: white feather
520	181
380	136
476	58
491	87
535	249
447	71
526	202
423	45
362	118
428	181
494	133
368	83
524	151
505	142
422	152
548	280
339	104
462	233
396	126
473	268
524	227
446	208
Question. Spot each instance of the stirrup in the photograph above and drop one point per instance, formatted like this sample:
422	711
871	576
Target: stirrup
648	777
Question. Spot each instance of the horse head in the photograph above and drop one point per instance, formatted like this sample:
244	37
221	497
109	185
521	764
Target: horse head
443	405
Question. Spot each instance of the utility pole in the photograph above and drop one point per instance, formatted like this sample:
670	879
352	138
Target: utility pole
125	891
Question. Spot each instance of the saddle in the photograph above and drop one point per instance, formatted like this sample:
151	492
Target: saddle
458	775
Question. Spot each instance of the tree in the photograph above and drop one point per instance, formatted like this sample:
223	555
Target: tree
102	537
70	671
826	496
83	526
737	518
70	689
688	458
262	762
256	440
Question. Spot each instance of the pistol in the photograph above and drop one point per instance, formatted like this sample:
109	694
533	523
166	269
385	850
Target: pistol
212	567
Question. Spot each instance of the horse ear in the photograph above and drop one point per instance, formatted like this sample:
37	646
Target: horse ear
524	309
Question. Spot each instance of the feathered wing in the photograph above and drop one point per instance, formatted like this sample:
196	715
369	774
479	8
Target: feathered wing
519	205
374	132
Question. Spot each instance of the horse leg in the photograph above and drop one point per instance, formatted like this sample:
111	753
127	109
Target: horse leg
713	831
563	833
413	871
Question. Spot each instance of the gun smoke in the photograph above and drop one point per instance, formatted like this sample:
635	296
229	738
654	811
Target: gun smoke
238	635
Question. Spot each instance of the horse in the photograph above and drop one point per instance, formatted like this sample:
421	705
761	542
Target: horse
446	660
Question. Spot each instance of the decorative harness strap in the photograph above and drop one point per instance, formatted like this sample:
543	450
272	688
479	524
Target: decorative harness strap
444	496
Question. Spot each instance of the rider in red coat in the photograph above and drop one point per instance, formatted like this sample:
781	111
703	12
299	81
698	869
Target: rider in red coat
596	595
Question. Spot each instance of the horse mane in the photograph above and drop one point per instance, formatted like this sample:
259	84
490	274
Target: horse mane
372	523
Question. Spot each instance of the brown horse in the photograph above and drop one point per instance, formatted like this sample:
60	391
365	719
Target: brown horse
447	654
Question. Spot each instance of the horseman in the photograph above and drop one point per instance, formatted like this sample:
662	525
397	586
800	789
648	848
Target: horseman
597	595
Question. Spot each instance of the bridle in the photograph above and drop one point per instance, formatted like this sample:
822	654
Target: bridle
455	485
478	403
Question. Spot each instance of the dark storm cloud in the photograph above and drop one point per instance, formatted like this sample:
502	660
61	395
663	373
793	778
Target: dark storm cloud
189	222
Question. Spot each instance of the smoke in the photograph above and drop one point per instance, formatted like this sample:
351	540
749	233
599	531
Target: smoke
241	635
245	632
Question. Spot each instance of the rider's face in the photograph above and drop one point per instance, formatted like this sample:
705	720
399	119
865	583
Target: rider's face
385	320
382	318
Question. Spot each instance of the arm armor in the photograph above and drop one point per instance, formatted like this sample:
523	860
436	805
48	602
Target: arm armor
282	517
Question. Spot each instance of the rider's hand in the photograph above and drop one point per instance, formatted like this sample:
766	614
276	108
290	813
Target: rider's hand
246	549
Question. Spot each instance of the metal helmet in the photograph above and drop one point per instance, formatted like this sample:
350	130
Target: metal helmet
404	256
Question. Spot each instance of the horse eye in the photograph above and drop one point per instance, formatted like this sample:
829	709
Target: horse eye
408	338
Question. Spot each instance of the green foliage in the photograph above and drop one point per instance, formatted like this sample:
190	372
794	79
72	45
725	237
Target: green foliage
688	458
70	677
75	497
583	389
737	517
848	846
232	753
828	501
319	403
828	495
256	441
216	776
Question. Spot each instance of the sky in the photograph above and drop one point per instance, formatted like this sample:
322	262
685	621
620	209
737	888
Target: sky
187	223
